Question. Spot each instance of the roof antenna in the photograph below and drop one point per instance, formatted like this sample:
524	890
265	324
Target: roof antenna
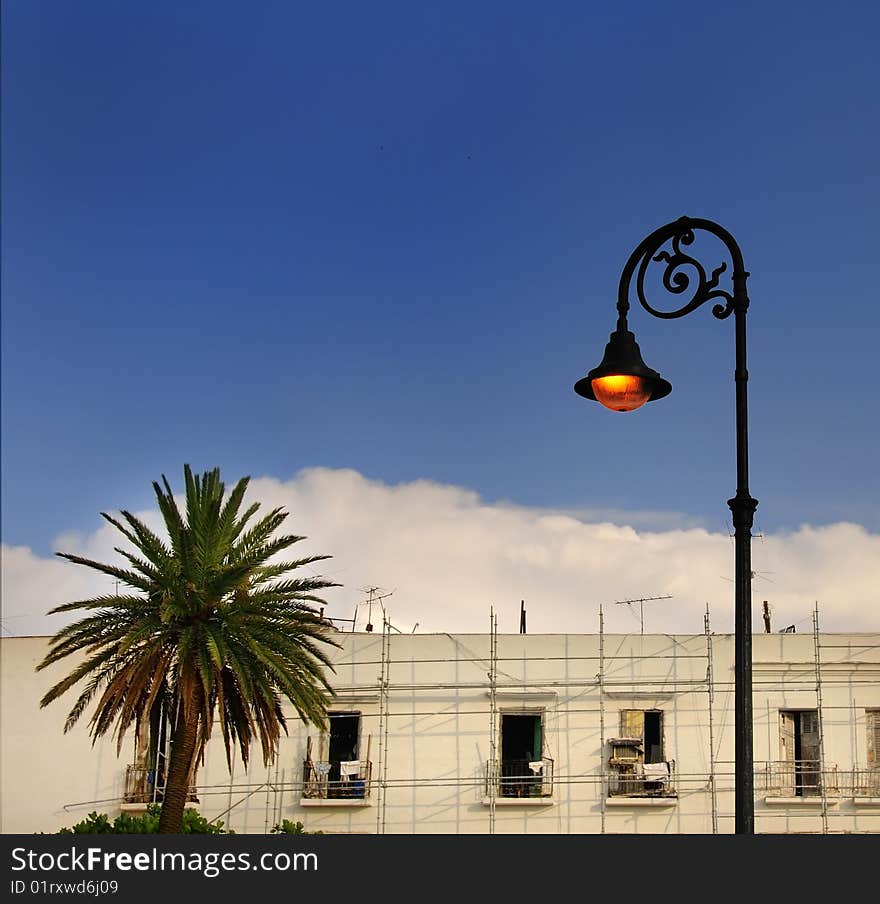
370	613
371	599
641	601
522	616
766	618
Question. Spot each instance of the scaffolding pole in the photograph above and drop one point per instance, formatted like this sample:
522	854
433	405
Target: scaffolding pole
382	763
600	678
492	770
818	659
269	800
710	685
280	785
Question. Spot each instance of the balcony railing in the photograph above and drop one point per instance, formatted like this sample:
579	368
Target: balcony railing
520	778
141	786
337	779
865	782
643	780
799	778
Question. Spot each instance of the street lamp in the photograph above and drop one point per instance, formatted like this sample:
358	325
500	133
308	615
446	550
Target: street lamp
623	382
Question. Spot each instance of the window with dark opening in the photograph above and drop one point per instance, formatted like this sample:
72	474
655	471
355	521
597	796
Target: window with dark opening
522	765
342	769
646	726
638	761
344	776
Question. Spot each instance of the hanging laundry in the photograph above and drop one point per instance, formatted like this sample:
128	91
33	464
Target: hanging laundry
656	772
349	769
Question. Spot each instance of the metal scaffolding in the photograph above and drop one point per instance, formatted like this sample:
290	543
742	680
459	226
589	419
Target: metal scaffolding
818	659
589	697
492	770
382	764
603	787
711	692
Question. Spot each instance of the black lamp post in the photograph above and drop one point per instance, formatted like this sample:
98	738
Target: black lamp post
623	382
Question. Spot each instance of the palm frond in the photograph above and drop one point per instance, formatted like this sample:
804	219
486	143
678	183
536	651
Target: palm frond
210	620
127	577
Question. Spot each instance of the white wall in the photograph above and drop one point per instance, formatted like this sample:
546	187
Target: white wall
438	735
49	779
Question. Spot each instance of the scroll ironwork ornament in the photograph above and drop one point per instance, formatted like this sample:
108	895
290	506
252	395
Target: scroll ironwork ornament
683	273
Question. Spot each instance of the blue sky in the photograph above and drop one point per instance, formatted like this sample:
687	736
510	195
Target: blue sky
387	237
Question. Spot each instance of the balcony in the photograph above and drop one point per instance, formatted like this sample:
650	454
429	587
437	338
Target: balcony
642	780
520	778
141	788
865	783
337	780
804	779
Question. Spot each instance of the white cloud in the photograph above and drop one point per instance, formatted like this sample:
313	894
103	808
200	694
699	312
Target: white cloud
447	557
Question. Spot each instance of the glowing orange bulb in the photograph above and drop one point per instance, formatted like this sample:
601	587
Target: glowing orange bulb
620	392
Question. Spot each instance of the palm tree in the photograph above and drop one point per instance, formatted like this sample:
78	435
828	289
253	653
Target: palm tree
211	628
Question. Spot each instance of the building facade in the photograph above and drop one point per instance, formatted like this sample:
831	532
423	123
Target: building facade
500	734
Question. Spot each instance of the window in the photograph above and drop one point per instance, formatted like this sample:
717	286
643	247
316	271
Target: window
866	779
525	771
344	773
639	766
145	778
872	718
799	752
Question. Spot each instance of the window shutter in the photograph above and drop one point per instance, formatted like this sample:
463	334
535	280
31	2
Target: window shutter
872	717
810	736
632	723
786	737
810	722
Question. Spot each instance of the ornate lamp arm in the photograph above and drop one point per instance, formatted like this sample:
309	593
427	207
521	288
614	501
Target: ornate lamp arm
676	279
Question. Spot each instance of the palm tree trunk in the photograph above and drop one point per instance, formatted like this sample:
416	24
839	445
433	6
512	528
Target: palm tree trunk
182	757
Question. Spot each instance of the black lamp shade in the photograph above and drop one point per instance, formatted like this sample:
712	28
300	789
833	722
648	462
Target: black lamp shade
623	359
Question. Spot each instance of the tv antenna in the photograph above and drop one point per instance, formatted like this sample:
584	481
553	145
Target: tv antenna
752	575
641	601
372	598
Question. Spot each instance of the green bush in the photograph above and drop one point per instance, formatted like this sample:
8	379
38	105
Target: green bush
286	827
147	823
143	824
